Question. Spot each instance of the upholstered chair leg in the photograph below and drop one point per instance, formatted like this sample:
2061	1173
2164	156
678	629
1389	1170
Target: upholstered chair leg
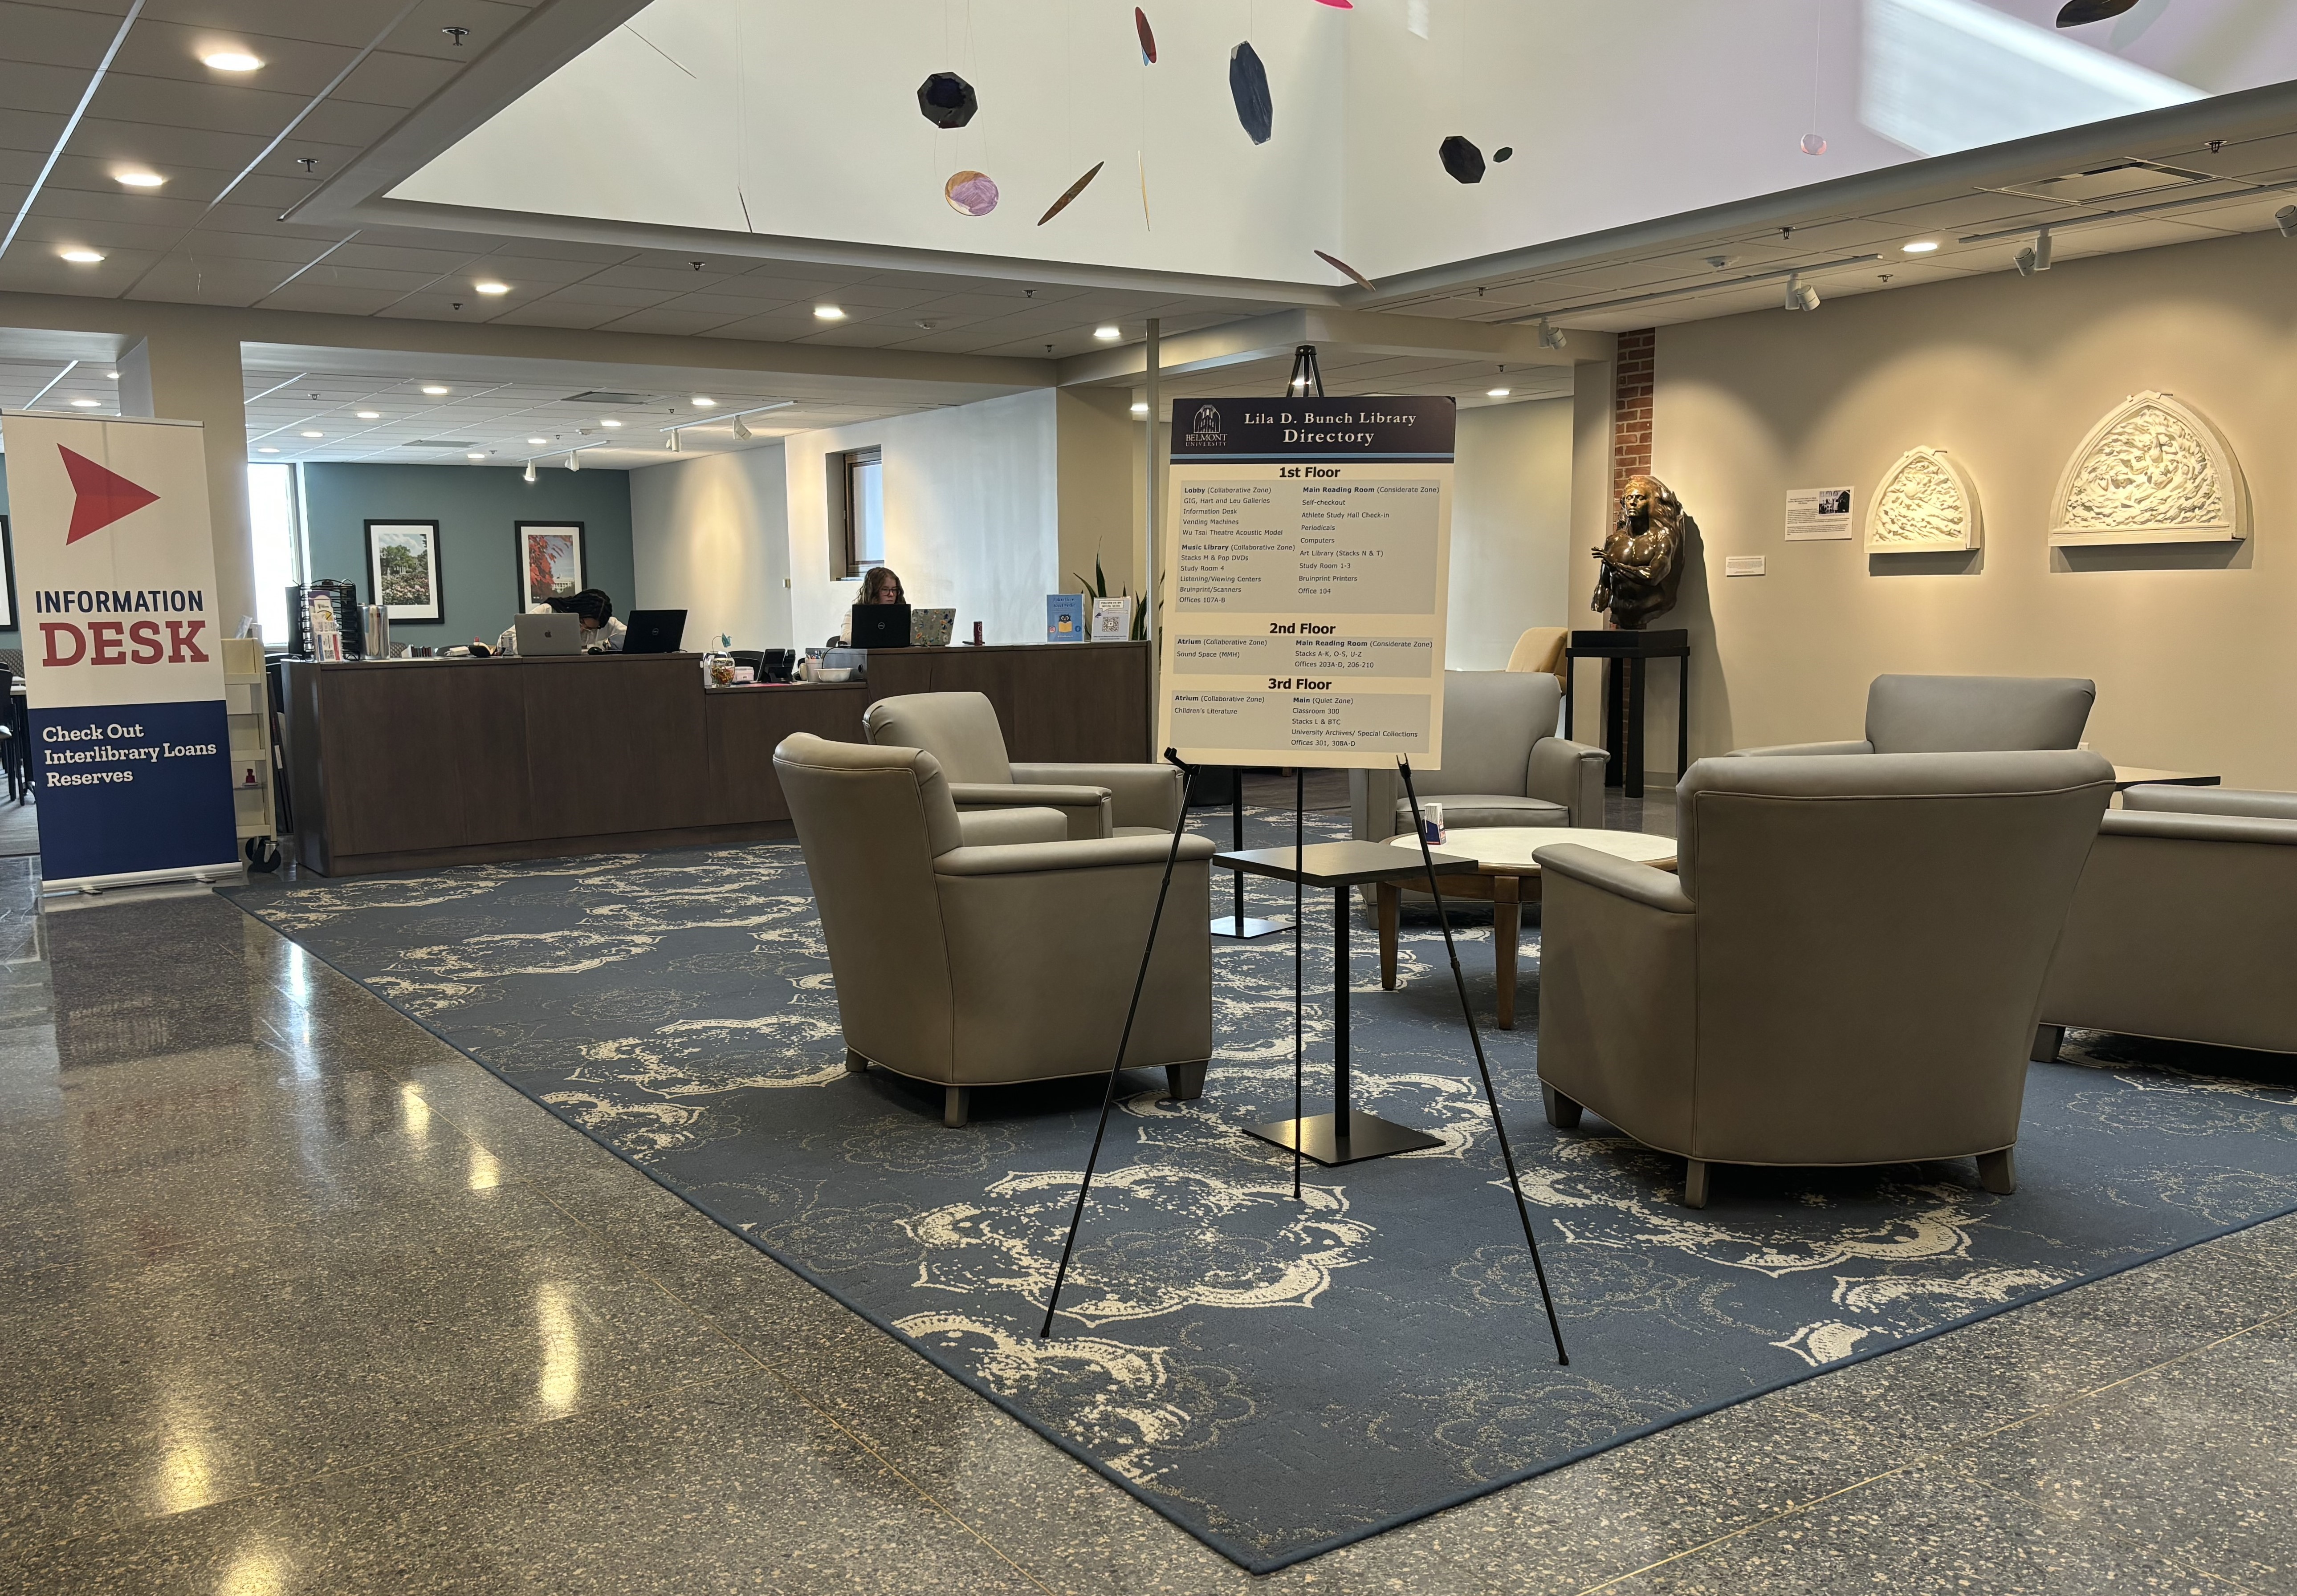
1999	1171
855	1064
2047	1040
1184	1083
956	1106
1695	1183
1562	1113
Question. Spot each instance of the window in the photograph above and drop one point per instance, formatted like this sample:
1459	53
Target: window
273	524
865	510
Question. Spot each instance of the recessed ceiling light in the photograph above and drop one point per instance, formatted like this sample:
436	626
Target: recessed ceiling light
828	313
1108	332
138	179
315	434
474	455
81	257
1497	392
113	376
491	287
368	414
703	402
232	60
265	449
85	404
610	422
1140	409
537	443
434	388
1921	246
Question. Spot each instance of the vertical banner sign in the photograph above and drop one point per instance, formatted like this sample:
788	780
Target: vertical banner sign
1308	553
123	672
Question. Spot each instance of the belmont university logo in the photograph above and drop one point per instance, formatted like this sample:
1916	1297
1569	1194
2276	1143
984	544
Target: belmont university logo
1205	432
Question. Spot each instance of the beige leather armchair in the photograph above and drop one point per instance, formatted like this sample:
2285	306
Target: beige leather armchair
2183	924
1503	765
1844	970
1963	714
1541	649
969	966
960	730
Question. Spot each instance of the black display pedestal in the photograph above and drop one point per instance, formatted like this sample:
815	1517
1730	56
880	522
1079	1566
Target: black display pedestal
1628	654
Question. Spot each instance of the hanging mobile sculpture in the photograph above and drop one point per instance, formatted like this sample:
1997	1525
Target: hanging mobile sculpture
947	100
1147	37
1461	159
1074	190
973	194
1340	265
1247	86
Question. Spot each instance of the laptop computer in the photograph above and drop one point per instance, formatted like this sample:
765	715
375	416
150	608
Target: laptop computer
540	636
653	632
930	628
880	625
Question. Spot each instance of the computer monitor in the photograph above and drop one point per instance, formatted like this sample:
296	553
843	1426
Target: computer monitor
881	626
653	632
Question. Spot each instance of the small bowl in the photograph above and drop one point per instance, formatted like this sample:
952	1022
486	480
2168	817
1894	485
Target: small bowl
826	674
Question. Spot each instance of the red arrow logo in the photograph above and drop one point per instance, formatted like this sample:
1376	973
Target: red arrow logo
100	496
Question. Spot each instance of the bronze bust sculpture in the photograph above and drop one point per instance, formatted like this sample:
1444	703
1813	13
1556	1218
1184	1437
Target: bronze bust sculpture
1642	558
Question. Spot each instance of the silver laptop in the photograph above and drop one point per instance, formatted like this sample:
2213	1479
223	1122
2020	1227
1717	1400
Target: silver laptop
541	635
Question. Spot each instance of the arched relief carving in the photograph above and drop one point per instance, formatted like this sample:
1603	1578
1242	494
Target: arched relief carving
1926	503
2156	470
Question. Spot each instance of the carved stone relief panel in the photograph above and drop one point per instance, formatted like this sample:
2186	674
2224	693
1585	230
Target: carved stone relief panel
2155	470
1926	503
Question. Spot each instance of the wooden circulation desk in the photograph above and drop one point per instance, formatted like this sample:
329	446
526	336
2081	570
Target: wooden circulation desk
409	764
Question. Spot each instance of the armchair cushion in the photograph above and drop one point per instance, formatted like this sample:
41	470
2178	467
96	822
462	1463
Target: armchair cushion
2210	800
1970	714
992	828
1085	810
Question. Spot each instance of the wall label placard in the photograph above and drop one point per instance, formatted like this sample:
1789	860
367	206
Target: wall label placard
1307	568
1818	515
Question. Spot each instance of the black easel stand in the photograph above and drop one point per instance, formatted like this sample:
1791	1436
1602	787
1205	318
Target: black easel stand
1491	1098
1108	1095
1237	926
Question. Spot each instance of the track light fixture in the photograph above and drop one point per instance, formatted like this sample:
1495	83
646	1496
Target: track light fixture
741	433
2036	256
2286	219
1800	295
1551	336
529	473
574	459
1306	378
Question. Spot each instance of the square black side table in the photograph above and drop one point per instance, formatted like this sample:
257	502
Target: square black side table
1343	1136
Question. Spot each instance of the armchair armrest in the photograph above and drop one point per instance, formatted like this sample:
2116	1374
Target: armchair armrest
1143	794
2167	797
1570	774
1087	853
1641	883
2176	826
1784	750
985	794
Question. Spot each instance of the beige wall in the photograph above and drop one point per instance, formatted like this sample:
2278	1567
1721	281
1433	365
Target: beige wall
1096	434
2194	649
1510	528
710	535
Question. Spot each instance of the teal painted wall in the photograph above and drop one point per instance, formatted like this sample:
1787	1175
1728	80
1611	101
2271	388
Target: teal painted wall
476	507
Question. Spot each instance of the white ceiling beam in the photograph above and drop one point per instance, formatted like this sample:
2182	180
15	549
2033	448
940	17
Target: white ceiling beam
1353	332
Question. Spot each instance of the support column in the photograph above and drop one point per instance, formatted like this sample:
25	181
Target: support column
194	374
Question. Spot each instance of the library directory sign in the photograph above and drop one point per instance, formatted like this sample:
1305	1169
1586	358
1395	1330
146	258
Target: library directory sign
1307	561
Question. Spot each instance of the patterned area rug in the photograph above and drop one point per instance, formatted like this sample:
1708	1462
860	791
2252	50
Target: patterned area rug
1279	1379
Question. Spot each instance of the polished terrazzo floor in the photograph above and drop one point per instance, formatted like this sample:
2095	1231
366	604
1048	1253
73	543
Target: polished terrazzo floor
299	1299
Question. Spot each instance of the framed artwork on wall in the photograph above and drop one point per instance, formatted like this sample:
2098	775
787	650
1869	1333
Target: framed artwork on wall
550	562
8	590
402	568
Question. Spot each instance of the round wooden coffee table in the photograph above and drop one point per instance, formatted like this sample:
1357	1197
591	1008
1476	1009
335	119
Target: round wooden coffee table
1507	876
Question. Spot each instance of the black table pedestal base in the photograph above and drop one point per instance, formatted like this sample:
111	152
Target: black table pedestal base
1247	928
1367	1137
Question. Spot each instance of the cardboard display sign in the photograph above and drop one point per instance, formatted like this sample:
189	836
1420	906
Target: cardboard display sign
129	752
1306	570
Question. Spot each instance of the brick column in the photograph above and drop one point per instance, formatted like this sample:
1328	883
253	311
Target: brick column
1630	408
